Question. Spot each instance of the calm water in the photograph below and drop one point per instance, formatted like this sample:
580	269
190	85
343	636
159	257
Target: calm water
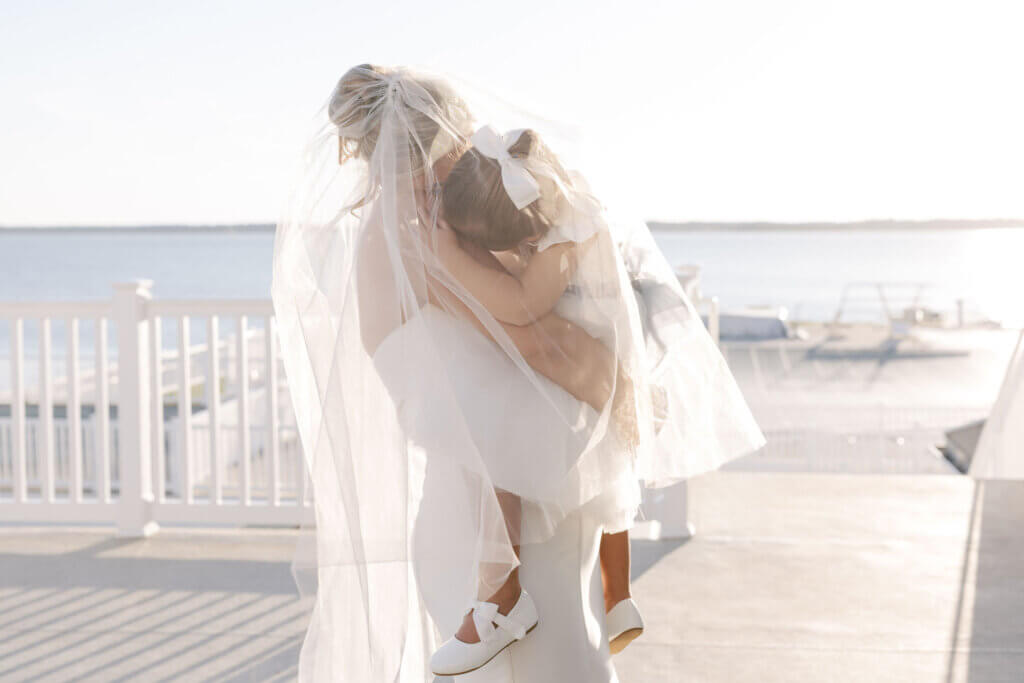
804	271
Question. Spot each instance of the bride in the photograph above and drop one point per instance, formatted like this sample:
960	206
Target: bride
476	351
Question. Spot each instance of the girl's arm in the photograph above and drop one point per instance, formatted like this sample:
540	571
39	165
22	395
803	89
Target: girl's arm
515	300
511	261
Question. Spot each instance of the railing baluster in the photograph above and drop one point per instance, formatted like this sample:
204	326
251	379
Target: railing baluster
273	427
303	498
46	445
18	409
300	481
213	405
74	411
185	408
244	438
102	414
157	422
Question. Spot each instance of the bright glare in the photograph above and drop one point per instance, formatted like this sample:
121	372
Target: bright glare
124	112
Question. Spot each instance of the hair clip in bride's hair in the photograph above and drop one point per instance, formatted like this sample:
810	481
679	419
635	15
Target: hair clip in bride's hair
393	79
522	188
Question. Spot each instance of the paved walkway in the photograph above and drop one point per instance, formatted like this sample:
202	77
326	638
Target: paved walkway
837	578
792	577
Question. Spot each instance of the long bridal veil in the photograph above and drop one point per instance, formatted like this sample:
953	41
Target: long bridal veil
436	436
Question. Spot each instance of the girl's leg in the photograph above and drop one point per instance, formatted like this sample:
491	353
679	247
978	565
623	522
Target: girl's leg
507	595
614	554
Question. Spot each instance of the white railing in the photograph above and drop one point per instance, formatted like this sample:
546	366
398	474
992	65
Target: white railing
194	433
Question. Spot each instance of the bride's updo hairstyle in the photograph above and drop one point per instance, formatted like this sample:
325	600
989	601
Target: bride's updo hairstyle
478	207
436	118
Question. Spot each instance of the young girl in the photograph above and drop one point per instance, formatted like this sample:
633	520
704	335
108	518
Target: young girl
511	196
540	232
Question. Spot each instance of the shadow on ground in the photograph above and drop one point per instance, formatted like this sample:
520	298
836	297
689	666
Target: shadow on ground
992	602
146	609
646	554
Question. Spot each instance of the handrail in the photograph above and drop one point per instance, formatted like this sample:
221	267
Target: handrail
53	309
201	307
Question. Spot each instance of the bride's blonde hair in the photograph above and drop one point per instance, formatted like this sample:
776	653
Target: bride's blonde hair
478	207
438	120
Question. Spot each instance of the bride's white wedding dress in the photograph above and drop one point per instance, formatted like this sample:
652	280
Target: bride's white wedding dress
524	446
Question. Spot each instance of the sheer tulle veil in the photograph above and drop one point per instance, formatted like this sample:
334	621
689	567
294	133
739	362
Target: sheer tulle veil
434	439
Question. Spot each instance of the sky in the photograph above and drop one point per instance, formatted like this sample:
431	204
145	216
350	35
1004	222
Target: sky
129	112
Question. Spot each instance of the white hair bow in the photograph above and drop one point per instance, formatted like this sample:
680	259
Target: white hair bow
521	186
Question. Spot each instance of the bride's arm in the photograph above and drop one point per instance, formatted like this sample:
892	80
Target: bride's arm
375	282
552	346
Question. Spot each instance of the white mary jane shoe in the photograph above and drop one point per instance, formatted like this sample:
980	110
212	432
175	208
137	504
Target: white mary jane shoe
455	657
624	624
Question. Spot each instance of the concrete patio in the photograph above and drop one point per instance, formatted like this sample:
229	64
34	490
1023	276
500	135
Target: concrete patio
791	577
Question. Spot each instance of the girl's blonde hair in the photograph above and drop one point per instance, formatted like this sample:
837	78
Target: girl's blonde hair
478	207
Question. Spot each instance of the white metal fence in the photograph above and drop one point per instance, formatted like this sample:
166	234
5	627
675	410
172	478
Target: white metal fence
155	428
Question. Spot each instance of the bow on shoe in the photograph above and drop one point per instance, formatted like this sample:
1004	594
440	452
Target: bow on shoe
521	186
486	614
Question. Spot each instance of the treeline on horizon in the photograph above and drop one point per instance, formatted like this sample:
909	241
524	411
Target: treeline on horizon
680	226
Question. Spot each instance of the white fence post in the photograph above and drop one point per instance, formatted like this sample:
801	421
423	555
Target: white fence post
135	516
667	510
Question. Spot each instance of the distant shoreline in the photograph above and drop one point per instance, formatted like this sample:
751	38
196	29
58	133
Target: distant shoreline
657	226
244	227
879	224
